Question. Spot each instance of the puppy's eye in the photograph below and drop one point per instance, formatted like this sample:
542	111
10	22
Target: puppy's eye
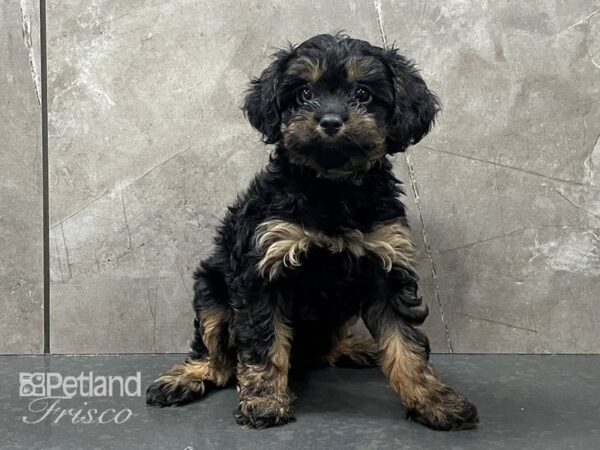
362	95
305	95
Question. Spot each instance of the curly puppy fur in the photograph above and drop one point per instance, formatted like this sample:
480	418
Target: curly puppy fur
319	239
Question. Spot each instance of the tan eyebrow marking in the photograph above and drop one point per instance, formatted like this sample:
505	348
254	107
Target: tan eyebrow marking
308	68
358	68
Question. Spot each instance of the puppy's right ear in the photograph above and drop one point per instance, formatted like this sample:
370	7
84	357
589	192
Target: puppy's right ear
261	105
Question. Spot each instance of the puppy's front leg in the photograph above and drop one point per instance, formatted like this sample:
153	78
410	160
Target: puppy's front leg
404	354
263	339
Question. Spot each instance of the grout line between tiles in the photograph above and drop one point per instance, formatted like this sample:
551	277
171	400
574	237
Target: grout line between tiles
413	183
45	184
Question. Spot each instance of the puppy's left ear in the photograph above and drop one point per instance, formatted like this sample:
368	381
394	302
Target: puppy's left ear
261	105
415	106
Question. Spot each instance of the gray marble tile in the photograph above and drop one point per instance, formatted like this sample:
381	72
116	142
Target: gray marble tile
21	273
149	146
140	318
147	153
525	402
508	179
436	325
530	285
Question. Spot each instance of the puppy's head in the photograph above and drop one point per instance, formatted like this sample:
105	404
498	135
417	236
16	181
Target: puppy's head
337	104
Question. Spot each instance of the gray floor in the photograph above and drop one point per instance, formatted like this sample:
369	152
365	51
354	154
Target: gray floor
525	402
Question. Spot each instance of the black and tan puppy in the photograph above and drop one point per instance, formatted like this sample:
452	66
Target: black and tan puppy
319	239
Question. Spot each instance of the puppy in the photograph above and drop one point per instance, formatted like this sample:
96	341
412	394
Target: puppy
319	239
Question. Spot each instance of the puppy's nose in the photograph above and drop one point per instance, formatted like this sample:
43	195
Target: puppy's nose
331	123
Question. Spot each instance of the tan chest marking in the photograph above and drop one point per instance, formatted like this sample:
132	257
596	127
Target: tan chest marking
282	244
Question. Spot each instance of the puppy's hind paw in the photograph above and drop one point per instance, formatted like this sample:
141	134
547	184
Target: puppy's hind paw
172	393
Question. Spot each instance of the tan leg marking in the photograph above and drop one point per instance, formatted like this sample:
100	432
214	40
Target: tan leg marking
361	350
271	376
413	379
213	320
263	388
215	368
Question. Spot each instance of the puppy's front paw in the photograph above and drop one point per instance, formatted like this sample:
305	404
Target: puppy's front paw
264	412
446	411
171	393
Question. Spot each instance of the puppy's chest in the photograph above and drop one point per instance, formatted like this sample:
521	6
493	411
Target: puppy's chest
283	246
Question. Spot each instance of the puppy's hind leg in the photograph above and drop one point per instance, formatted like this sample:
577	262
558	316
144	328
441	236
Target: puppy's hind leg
209	363
352	350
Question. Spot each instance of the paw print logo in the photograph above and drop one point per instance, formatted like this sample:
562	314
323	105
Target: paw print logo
32	384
